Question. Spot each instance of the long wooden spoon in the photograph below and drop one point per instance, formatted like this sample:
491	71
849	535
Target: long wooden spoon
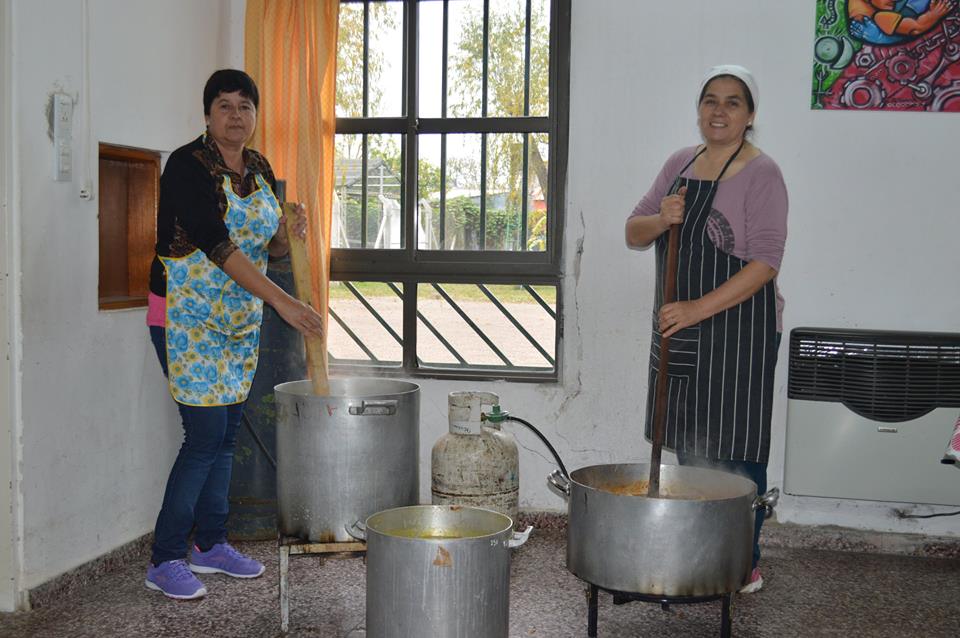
300	263
660	399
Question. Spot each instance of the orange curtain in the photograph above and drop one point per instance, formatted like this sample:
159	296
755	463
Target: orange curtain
290	51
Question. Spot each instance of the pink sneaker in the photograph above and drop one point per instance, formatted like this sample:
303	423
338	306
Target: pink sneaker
756	582
952	455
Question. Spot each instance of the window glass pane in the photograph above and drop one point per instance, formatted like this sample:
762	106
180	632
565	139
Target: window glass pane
506	73
538	185
366	323
385	65
350	61
461	326
430	230
505	170
430	50
461	206
384	199
347	223
380	223
465	66
540	58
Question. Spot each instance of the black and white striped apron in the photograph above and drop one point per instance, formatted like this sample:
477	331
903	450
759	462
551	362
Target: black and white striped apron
720	372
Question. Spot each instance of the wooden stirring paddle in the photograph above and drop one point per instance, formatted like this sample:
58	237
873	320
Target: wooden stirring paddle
300	263
660	399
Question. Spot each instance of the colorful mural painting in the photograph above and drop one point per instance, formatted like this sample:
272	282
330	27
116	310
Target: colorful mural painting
894	55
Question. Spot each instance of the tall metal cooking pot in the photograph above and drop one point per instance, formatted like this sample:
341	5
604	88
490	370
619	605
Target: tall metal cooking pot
439	571
344	456
696	540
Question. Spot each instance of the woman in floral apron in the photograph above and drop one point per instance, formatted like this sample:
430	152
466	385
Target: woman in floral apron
217	223
730	202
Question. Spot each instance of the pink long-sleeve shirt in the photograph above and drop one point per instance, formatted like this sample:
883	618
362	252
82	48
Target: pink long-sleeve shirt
749	216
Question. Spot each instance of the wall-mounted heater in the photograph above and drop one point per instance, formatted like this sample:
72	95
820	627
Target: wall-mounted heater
870	413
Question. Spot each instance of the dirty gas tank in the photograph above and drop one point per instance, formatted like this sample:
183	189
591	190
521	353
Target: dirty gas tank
476	463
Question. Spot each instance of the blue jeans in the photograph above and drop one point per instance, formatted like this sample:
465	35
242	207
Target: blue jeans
756	472
198	486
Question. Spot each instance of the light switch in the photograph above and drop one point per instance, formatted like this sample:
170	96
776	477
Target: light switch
62	137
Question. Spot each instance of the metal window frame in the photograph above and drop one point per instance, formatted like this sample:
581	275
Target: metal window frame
411	266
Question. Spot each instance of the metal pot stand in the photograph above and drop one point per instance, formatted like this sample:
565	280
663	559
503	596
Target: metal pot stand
622	598
288	547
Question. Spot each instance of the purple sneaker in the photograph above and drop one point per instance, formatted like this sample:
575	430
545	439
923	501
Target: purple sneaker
224	559
175	580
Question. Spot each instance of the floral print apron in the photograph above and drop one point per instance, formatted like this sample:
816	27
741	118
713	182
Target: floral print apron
213	324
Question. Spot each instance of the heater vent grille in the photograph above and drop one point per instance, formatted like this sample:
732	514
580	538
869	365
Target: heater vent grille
881	375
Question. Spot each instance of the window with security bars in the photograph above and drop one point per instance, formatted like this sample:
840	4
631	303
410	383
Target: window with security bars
449	174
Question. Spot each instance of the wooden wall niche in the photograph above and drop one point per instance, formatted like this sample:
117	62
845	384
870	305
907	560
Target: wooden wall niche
129	193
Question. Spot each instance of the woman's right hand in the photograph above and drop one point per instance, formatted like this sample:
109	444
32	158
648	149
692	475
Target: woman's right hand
300	316
671	208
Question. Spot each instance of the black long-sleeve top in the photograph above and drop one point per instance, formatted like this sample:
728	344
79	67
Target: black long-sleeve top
193	205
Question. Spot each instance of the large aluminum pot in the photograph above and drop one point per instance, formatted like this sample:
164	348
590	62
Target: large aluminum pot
441	571
696	540
344	456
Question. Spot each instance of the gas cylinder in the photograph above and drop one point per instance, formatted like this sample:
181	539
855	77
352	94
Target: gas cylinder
476	463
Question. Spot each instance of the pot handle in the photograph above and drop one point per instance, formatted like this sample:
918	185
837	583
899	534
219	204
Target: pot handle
519	538
560	482
358	530
373	408
767	501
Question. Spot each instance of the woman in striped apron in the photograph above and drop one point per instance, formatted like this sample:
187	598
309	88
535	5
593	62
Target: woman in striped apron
217	223
730	202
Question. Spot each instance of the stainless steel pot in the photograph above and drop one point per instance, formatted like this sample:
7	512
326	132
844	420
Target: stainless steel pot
344	456
441	571
696	542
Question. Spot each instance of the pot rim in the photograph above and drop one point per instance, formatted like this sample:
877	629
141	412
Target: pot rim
302	388
694	470
507	529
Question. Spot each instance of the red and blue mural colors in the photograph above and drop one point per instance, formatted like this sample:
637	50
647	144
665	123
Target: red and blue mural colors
893	55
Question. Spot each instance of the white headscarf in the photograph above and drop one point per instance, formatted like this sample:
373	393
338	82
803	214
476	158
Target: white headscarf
738	72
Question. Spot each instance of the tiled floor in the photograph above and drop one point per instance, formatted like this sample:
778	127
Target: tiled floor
808	592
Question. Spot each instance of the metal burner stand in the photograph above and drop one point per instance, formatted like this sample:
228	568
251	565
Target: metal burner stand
288	547
620	598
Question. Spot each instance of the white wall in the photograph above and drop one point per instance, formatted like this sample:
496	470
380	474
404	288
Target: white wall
873	213
872	237
99	428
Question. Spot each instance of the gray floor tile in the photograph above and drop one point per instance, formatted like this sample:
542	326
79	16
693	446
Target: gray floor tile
807	593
